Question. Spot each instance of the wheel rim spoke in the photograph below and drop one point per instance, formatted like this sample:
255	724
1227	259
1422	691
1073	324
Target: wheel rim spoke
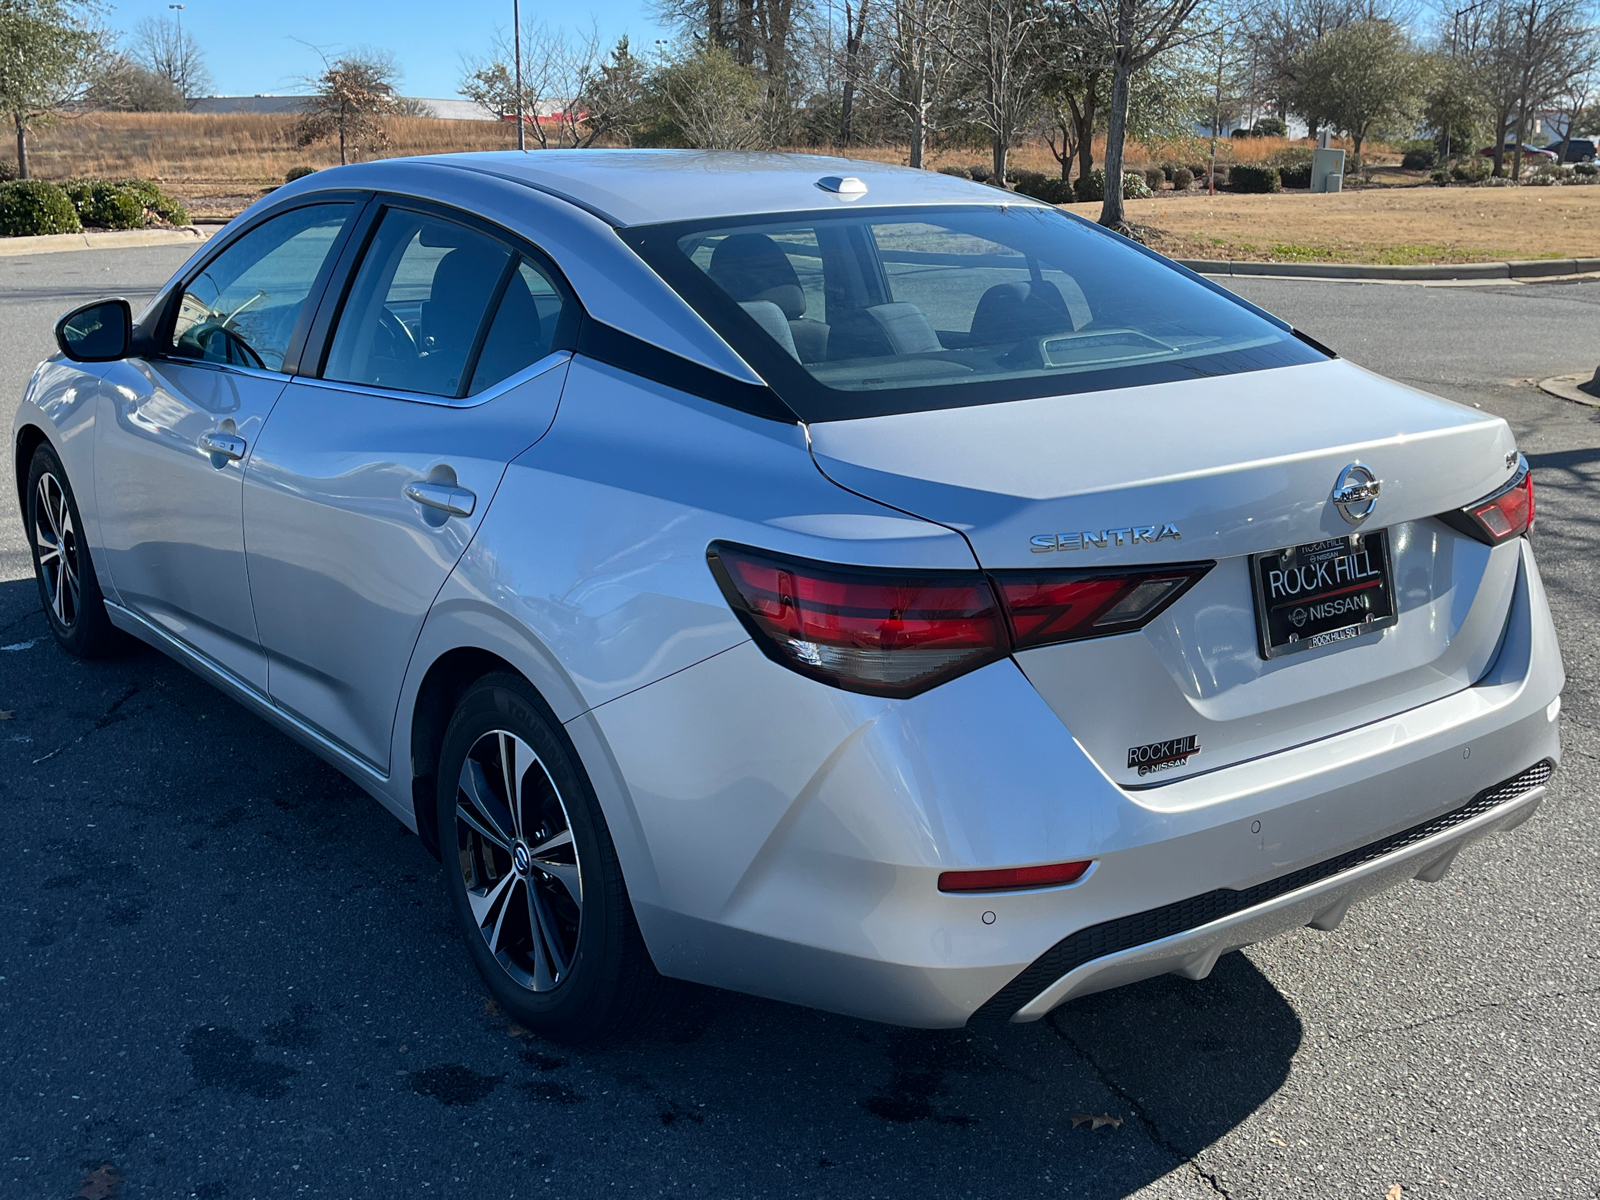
483	904
481	812
549	956
55	541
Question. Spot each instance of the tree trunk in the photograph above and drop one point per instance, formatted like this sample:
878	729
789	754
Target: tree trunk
1084	119
22	150
919	128
342	159
1112	213
1504	119
1001	147
852	52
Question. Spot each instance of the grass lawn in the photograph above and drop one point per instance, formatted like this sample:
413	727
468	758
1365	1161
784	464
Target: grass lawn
1375	225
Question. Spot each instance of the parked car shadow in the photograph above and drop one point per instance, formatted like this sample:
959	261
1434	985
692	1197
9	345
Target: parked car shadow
283	960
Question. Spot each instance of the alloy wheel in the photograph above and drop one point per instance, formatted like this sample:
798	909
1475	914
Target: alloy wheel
518	860
57	542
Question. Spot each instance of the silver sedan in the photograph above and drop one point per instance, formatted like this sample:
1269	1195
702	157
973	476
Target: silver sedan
836	582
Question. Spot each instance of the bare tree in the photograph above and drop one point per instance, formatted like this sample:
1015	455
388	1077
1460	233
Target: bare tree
349	101
855	29
913	68
1137	32
124	85
163	48
1524	51
996	44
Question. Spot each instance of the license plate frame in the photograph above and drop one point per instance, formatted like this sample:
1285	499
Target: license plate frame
1342	573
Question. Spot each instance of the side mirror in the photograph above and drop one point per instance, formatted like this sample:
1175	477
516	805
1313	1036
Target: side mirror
98	332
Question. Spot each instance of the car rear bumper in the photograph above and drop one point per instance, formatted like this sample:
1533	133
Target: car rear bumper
785	839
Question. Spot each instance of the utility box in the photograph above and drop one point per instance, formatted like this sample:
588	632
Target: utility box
1327	170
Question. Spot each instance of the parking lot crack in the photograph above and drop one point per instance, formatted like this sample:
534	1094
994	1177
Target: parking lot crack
1152	1130
110	717
1469	1010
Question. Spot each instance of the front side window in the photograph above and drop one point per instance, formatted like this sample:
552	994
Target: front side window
243	306
417	306
869	312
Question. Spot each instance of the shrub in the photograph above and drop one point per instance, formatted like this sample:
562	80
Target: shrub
29	207
979	173
1418	159
1440	176
156	201
101	204
1471	170
7	171
1168	170
1155	179
299	172
958	172
1182	178
1270	127
1198	170
1296	175
1044	187
1093	186
1251	177
1587	170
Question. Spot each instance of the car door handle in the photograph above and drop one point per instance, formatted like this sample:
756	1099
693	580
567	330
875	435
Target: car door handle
224	444
456	501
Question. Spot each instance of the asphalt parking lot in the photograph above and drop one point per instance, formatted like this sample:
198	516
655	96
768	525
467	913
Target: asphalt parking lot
224	972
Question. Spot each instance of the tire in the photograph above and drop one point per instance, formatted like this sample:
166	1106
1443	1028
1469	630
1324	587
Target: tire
68	588
536	888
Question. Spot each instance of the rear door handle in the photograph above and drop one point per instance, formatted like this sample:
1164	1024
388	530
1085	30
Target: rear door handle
226	445
456	501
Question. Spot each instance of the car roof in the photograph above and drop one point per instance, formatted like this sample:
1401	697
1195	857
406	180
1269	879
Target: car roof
647	187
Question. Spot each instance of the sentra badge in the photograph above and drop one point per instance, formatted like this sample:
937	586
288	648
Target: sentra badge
1099	539
1163	756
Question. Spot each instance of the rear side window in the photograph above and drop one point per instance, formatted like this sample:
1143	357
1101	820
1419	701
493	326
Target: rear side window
524	327
242	308
419	300
869	312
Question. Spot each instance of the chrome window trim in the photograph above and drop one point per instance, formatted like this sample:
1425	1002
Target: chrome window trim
532	371
225	368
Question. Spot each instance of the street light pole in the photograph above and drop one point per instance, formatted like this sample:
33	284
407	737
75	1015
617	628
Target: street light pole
516	42
183	58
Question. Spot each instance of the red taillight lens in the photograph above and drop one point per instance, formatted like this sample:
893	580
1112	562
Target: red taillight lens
883	632
1065	606
1500	517
1005	879
891	632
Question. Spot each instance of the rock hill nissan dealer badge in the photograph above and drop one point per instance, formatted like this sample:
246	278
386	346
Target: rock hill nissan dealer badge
1163	756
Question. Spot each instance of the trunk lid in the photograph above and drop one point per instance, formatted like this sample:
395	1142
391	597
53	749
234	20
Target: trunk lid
1213	469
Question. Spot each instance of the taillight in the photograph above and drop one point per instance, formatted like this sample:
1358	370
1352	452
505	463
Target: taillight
1066	606
1506	514
890	632
1006	879
883	632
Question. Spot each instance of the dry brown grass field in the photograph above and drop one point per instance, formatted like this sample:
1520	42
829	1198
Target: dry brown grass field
220	164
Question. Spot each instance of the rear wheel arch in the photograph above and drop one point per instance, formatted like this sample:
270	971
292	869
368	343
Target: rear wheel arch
442	687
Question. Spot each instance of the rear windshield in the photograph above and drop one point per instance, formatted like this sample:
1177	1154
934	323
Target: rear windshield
866	313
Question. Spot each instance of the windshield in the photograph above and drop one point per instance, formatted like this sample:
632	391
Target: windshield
865	313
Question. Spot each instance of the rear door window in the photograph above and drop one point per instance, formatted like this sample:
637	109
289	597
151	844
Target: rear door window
417	307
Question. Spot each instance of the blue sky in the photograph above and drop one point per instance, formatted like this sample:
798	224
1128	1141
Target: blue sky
251	47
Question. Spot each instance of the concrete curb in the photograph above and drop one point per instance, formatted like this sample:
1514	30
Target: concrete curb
106	239
1538	268
1572	387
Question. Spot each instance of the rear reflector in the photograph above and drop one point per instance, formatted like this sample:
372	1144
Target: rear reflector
1497	518
888	632
1005	879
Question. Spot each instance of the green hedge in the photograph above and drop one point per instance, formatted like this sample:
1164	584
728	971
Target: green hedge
122	203
29	207
1093	186
1296	176
1052	190
1250	177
